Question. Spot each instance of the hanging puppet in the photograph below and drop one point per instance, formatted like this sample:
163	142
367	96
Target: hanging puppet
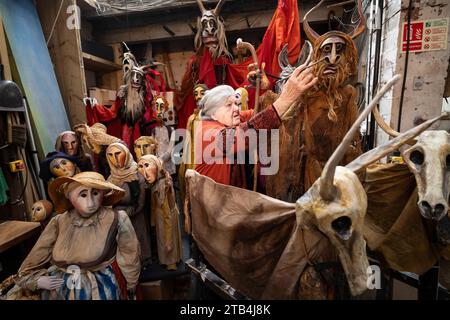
97	140
163	134
145	145
124	174
58	164
132	105
165	214
80	244
69	143
315	129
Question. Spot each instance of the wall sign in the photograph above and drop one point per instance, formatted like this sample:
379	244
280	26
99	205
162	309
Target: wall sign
426	35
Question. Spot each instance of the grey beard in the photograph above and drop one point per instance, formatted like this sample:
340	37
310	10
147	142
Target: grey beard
133	106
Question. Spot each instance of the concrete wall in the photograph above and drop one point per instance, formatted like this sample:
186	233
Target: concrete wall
429	68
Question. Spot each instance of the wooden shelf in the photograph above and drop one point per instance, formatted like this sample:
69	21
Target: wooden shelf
14	232
98	64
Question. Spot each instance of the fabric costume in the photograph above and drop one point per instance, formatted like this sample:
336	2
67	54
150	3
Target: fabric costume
92	244
133	203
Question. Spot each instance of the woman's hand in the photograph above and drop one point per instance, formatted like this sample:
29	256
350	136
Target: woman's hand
298	84
49	282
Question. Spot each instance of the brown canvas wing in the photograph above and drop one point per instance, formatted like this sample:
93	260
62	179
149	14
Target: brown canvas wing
249	238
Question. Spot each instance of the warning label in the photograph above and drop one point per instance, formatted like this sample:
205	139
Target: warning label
426	35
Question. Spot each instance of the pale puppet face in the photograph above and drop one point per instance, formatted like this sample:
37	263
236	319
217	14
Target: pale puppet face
160	107
96	148
228	114
61	167
144	147
70	144
148	170
39	212
116	157
242	98
86	200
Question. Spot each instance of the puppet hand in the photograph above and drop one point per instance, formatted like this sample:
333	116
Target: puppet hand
253	73
92	102
298	84
49	283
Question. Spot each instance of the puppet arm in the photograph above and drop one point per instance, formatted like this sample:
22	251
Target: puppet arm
34	265
128	251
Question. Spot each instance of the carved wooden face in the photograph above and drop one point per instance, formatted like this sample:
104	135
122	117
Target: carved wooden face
86	200
143	147
209	29
242	98
69	143
160	107
148	170
199	92
332	51
116	157
61	167
41	210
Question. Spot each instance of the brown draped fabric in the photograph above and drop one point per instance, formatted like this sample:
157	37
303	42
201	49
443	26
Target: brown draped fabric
393	224
252	240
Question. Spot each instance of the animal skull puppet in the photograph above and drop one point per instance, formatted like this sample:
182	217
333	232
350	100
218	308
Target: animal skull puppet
211	31
335	205
429	160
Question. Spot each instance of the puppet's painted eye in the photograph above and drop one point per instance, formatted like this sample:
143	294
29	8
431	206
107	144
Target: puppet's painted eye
326	48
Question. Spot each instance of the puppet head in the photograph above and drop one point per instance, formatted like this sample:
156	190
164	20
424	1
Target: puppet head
86	192
199	92
61	167
145	145
68	143
151	168
122	165
242	98
160	105
41	210
336	57
211	31
95	137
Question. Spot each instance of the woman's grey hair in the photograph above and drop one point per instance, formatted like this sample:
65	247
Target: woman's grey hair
214	99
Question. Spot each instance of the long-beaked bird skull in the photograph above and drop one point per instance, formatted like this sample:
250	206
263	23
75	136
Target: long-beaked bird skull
336	204
429	160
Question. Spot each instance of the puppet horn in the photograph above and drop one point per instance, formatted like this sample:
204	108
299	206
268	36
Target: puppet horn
201	6
219	7
327	189
310	33
126	47
362	22
379	152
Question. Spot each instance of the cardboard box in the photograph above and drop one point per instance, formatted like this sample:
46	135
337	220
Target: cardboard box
103	96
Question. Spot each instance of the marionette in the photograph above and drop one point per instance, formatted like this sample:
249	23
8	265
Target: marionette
73	257
41	212
58	164
145	145
132	104
163	134
97	140
314	129
165	214
124	174
69	143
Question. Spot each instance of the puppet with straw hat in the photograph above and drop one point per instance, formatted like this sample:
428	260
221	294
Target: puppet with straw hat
72	260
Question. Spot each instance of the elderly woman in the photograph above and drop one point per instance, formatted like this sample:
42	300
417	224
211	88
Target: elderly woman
223	125
72	260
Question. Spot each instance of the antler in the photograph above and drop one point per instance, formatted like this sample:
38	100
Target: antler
310	33
327	188
219	7
240	45
379	152
362	22
201	6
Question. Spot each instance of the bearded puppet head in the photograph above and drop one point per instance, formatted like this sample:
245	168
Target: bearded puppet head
160	105
133	92
336	57
211	31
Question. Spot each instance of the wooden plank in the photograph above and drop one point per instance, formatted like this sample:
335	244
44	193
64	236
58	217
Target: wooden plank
4	53
15	232
65	51
98	64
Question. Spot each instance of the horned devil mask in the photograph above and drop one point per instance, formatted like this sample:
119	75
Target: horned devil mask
211	31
